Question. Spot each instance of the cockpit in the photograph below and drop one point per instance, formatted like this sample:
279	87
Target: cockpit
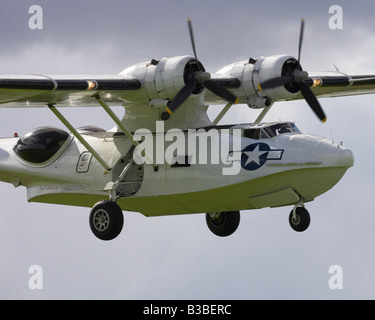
269	130
41	144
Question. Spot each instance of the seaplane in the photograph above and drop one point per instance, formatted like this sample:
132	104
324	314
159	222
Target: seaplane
165	156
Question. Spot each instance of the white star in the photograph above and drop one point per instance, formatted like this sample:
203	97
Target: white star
254	156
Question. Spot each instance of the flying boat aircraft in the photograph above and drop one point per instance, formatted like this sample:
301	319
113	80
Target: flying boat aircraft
151	163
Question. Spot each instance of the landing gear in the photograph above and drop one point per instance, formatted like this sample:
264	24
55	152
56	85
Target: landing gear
299	218
106	220
223	224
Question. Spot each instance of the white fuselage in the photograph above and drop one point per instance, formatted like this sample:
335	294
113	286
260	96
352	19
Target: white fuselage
246	167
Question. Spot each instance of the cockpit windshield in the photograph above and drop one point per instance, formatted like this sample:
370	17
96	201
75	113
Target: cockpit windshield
268	131
280	128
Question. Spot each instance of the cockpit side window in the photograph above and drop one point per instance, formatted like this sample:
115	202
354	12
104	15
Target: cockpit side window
252	133
41	144
264	135
270	131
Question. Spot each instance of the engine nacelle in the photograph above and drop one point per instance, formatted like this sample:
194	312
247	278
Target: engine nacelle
253	73
276	66
163	79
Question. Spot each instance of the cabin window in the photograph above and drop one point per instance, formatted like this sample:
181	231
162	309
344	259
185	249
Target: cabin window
41	144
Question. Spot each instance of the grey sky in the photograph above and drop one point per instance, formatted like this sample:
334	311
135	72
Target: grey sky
178	257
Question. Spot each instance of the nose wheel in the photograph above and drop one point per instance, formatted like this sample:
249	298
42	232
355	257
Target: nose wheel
299	218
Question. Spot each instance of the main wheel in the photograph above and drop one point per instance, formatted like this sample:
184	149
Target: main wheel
106	220
302	221
223	224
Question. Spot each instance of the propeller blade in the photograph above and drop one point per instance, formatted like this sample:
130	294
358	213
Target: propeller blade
300	40
190	25
182	95
312	101
283	80
221	91
192	78
298	76
275	82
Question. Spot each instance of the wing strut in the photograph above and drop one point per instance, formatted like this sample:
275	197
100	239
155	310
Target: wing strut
79	137
123	128
222	113
263	114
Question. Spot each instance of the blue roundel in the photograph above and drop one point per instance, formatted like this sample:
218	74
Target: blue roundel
254	156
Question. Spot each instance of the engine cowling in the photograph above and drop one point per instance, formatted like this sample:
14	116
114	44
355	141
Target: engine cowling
163	79
276	66
161	82
252	73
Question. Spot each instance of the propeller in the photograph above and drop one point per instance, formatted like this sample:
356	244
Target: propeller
293	78
195	78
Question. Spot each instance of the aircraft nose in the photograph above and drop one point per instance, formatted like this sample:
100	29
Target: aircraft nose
346	158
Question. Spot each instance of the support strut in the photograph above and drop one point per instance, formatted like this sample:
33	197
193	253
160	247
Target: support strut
222	113
123	128
299	204
79	137
263	114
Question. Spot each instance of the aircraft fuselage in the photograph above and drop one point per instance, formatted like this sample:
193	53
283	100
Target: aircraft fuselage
216	169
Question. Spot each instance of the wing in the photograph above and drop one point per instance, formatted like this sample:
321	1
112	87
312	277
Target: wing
335	84
323	84
41	90
138	89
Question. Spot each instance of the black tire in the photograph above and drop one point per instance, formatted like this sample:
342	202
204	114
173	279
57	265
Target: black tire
225	224
106	220
303	219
